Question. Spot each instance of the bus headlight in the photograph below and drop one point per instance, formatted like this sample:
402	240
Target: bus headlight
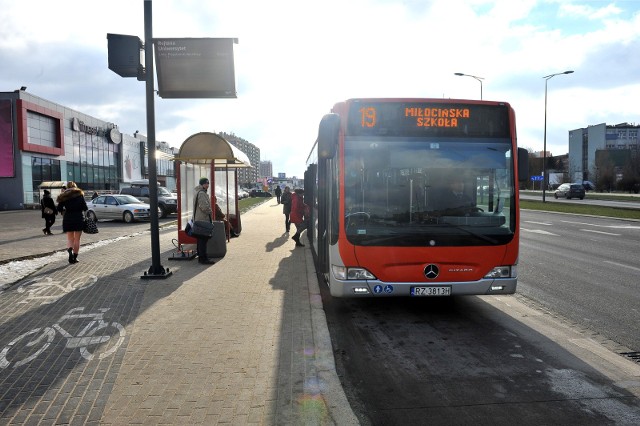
502	272
344	273
359	274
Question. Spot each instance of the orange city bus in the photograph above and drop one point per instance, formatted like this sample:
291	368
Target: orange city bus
383	220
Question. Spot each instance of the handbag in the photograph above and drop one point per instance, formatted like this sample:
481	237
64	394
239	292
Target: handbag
90	226
188	228
198	228
48	210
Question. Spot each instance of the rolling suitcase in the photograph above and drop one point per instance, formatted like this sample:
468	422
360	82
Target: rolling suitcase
217	245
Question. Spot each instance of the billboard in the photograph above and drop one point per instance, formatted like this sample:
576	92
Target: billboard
130	150
195	67
6	140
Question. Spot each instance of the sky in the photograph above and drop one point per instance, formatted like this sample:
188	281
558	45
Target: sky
294	60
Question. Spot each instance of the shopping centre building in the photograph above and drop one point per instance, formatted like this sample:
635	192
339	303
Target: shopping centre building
43	142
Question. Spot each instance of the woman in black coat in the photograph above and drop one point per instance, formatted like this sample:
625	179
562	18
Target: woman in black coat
49	218
72	205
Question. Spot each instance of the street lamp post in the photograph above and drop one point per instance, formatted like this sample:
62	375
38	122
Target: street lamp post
544	149
472	76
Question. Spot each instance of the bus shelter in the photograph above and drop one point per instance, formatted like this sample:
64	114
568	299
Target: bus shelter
55	188
208	155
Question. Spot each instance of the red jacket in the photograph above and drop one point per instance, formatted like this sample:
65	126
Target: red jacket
298	208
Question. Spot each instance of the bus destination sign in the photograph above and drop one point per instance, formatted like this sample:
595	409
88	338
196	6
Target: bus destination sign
419	118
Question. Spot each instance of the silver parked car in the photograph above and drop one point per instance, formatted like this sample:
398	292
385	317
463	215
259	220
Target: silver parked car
118	207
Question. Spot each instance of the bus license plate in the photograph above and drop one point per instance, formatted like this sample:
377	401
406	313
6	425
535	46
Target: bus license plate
431	291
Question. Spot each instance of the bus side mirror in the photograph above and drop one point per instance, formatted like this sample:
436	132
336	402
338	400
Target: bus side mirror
328	136
523	164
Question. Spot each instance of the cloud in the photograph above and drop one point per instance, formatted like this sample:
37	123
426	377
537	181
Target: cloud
588	11
295	60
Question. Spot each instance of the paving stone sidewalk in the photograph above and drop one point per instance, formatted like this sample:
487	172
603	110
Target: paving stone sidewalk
243	341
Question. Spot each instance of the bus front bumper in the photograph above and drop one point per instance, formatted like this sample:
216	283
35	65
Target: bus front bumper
373	288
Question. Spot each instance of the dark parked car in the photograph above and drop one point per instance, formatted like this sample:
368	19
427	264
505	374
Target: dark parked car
570	190
167	202
259	193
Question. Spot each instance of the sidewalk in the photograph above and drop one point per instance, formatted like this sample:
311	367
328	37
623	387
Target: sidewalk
243	341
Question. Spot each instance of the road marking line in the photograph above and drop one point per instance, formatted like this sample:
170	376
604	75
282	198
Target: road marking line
539	231
602	226
622	265
600	232
539	223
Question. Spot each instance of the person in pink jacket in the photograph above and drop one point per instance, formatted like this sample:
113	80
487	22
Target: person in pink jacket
299	213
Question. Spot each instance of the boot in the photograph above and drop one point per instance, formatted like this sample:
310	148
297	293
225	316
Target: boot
75	257
70	251
296	238
44	231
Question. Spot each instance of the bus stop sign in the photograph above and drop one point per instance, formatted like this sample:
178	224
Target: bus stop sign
195	67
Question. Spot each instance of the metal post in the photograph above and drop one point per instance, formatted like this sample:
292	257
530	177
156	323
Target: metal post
156	270
544	148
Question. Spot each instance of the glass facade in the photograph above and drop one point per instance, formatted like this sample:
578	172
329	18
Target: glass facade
93	164
44	170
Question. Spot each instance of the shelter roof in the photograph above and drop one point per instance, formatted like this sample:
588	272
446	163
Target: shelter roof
211	148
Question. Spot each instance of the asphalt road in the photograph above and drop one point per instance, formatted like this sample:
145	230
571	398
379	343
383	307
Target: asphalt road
587	200
586	269
550	354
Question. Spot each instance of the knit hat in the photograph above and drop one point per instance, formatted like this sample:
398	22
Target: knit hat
46	192
203	180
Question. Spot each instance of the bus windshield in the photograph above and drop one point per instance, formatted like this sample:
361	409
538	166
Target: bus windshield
428	191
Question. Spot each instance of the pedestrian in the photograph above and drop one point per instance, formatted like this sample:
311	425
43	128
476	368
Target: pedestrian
95	195
203	212
230	232
299	215
278	192
49	212
286	208
72	206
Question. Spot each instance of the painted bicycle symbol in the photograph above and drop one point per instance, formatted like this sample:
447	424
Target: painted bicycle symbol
46	290
98	337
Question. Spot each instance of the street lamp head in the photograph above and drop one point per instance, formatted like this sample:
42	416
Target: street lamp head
458	73
547	77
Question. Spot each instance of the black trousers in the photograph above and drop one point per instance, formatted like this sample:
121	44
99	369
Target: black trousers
287	222
299	228
49	220
201	247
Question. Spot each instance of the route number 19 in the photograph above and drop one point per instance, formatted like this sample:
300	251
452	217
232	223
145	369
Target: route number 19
368	116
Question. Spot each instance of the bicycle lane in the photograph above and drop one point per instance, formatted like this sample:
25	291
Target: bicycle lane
63	331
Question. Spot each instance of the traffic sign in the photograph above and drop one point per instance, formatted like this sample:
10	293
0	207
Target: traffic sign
535	178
